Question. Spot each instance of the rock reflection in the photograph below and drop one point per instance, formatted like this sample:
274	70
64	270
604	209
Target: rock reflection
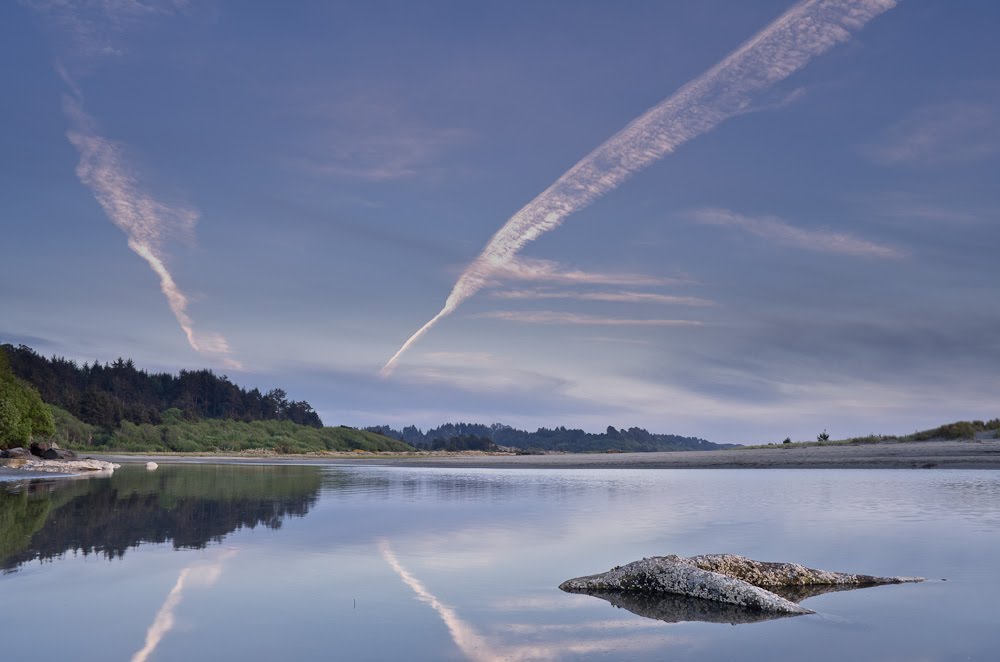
679	608
190	507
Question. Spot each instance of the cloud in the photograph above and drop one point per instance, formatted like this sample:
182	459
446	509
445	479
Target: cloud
552	317
910	207
620	297
727	90
478	372
548	271
145	221
373	141
942	134
780	232
91	26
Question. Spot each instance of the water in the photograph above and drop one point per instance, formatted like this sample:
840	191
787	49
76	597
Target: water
229	562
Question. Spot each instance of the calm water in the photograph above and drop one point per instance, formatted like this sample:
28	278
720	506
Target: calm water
227	562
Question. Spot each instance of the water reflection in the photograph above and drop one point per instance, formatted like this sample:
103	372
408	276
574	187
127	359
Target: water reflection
189	507
199	573
678	608
578	638
474	558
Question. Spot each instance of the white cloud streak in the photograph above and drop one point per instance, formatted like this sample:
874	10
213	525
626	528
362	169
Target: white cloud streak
552	317
728	89
548	271
145	221
163	623
618	297
777	230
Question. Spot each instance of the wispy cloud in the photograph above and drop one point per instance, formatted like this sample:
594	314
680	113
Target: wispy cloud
728	89
90	26
477	372
960	131
553	317
620	297
204	574
781	232
375	141
145	221
549	271
910	207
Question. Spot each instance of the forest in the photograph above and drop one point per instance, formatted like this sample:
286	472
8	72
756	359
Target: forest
106	394
118	407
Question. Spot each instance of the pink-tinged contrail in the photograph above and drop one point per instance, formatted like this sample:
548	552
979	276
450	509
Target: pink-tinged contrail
145	221
805	31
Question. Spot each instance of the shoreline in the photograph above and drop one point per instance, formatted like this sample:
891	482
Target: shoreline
967	454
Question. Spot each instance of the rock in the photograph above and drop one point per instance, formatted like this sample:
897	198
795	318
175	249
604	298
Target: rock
38	448
768	575
151	466
723	578
675	575
17	453
64	466
58	454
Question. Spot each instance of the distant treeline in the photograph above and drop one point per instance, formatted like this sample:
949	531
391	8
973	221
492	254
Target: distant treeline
545	439
108	394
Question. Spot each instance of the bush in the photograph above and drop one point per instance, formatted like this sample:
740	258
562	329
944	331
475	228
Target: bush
823	436
23	415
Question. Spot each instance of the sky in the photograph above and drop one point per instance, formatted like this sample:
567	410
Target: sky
800	235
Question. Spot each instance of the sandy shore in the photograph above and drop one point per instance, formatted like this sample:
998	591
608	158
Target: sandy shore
979	454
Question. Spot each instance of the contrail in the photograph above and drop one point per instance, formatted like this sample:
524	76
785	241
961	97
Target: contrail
808	29
144	220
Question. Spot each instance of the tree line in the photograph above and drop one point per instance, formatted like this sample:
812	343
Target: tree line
546	439
106	394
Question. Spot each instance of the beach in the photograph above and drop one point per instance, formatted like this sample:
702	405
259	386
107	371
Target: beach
968	454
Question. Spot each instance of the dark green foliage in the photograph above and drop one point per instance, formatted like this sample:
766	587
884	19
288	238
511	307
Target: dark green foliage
787	440
22	413
463	442
105	395
556	439
823	436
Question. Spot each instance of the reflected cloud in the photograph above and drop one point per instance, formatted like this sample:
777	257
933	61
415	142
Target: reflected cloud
477	648
197	574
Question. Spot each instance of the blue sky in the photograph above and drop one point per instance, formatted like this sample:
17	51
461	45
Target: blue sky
315	177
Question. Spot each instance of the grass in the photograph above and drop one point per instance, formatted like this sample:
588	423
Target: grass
217	436
949	431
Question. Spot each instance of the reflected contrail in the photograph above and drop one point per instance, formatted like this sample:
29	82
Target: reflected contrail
144	220
468	640
205	574
479	649
808	29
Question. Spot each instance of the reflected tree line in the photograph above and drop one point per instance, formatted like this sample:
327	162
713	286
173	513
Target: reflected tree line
190	507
